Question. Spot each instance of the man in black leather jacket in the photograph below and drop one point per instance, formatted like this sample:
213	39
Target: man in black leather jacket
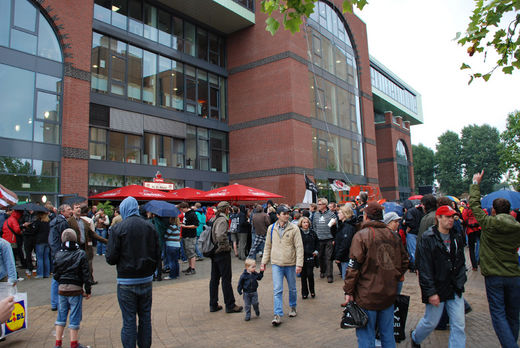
442	275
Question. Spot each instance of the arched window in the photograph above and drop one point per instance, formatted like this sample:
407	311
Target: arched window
402	164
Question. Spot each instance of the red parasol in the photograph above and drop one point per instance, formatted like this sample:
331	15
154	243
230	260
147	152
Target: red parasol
237	192
140	193
415	197
7	197
186	194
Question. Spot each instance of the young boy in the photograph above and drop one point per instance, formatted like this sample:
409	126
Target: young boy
71	271
249	283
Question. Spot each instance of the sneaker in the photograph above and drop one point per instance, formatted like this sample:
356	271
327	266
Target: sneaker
235	309
247	318
257	312
82	346
199	258
191	272
276	320
167	278
414	345
215	309
330	279
187	270
292	312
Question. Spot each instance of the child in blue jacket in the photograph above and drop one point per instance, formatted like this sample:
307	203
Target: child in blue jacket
248	283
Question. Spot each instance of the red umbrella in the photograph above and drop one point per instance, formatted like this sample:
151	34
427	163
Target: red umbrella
186	194
140	193
415	197
237	192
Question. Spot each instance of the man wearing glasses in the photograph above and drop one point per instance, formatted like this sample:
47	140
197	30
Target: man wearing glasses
324	220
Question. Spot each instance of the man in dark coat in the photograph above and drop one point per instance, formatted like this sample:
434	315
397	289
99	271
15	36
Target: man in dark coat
57	226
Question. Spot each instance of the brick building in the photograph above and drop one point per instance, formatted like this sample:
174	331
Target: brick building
105	93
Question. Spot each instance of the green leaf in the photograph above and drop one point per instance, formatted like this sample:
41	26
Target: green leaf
457	36
507	70
470	80
347	6
464	66
272	25
486	76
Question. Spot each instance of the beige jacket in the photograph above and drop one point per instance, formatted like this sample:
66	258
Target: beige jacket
285	251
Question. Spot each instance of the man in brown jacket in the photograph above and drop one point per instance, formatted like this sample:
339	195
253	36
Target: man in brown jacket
260	223
377	262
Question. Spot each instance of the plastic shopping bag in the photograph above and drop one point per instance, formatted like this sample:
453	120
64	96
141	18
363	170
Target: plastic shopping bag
353	317
18	320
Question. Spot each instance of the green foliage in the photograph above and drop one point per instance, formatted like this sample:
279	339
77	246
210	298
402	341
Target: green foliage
448	168
481	149
423	165
510	156
488	30
107	207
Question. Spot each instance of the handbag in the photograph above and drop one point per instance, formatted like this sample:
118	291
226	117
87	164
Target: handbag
353	317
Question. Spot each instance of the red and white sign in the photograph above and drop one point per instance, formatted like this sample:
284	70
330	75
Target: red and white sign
159	185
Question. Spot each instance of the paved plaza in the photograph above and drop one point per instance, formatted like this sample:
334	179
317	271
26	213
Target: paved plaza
181	316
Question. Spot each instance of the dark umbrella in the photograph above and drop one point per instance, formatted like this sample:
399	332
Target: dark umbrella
393	206
512	196
31	207
162	208
75	200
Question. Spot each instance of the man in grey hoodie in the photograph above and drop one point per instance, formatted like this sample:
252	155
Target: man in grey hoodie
323	222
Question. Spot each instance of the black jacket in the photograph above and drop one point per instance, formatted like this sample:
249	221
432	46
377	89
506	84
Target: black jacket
441	272
133	246
42	231
412	219
190	218
346	231
311	243
243	225
71	266
249	281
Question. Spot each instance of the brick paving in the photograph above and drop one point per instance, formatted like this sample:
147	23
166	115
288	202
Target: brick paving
181	316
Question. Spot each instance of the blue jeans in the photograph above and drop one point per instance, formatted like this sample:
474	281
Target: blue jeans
366	336
54	293
279	272
183	254
343	269
136	300
43	260
72	303
197	251
172	257
101	247
411	244
503	294
432	315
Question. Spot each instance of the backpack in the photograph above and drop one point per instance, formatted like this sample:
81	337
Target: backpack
205	243
233	227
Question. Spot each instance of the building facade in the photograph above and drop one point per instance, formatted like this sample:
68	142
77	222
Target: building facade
105	93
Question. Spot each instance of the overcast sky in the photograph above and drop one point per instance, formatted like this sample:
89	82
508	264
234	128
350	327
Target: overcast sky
414	39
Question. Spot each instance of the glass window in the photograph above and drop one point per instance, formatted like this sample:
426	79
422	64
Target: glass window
346	154
48	83
151	148
218	151
24	15
46	132
202	83
178	41
202	44
191	147
116	148
119	13
165	76
99	59
189	38
164	23
343	108
102	10
341	63
48	45
191	88
97	146
133	149
203	148
118	75
178	153
47	107
213	49
46	168
135	72
135	14
401	151
23	41
5	22
149	77
214	96
222	85
166	152
17	113
150	20
178	86
328	56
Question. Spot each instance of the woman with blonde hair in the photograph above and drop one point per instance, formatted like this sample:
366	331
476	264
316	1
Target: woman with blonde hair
344	235
43	250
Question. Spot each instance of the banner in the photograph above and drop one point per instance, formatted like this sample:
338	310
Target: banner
311	192
339	185
18	320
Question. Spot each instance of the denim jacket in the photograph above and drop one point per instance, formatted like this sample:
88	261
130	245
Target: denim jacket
7	265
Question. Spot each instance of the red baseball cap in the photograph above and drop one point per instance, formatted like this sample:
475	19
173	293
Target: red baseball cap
445	210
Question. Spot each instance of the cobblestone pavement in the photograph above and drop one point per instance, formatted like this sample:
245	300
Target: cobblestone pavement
181	316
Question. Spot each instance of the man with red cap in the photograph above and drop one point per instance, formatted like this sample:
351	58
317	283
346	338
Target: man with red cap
442	275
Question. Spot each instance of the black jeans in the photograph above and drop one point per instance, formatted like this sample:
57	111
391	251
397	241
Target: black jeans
29	244
135	302
221	268
473	239
307	278
326	250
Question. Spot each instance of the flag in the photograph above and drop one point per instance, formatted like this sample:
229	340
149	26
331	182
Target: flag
311	191
310	185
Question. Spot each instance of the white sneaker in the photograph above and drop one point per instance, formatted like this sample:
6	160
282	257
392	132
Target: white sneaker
276	320
292	312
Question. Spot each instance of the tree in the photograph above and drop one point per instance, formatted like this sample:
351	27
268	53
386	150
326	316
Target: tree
448	168
489	28
510	156
481	149
423	165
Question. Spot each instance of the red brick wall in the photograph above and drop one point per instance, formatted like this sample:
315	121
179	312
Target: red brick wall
74	23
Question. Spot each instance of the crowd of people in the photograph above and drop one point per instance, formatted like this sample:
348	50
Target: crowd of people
371	249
